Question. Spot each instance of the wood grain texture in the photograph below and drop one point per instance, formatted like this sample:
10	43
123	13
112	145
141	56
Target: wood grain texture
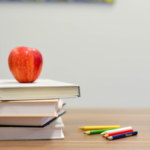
139	119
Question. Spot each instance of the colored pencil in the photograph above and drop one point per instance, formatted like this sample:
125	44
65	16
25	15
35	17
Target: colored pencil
122	135
117	130
98	131
98	127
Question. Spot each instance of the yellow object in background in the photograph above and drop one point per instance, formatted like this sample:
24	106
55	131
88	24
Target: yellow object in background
98	127
109	1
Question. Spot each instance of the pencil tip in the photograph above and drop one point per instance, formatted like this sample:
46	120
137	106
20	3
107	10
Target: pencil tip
80	127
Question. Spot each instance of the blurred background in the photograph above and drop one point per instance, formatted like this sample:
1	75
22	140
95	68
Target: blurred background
104	48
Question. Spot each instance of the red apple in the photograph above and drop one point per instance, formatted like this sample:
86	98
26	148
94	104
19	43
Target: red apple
25	64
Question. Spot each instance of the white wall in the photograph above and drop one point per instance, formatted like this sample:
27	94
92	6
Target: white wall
103	48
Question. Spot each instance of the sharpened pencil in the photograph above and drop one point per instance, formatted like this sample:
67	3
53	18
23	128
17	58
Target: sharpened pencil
99	127
117	130
116	133
122	135
98	131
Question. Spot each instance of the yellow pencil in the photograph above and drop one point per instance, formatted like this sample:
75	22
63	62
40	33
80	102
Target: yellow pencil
98	127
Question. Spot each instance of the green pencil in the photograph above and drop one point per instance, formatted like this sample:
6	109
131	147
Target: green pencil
97	131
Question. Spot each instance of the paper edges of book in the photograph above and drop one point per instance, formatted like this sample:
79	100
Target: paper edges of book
51	131
29	121
32	128
40	89
31	108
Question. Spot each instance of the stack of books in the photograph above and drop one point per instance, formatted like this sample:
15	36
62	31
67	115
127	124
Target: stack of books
31	111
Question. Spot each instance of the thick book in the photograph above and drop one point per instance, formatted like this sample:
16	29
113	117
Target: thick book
37	122
52	131
30	108
40	89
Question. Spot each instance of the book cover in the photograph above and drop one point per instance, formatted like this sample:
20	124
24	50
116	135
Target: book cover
40	89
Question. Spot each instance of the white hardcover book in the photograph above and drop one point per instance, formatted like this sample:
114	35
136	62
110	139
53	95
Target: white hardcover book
40	89
30	108
52	131
28	121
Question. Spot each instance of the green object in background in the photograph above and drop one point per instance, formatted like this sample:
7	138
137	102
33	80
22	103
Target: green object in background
98	131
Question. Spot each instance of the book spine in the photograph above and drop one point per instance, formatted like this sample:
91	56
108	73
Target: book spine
79	92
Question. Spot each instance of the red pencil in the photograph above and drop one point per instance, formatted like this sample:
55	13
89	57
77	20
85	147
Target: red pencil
119	132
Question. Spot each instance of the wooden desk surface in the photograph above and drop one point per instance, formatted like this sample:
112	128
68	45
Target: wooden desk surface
139	119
